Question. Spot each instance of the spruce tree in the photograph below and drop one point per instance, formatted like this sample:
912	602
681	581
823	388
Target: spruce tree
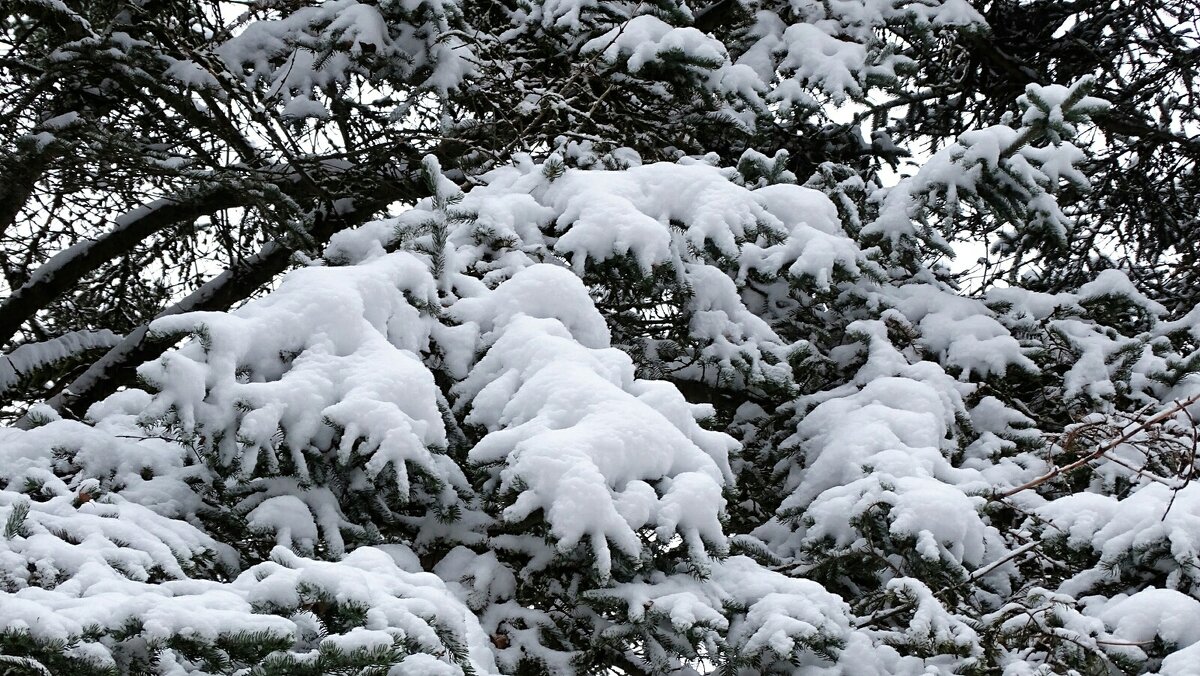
444	337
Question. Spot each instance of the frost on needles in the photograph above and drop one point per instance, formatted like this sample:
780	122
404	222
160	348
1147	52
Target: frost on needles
604	408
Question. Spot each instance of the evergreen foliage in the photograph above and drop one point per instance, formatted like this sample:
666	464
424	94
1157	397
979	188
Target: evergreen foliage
442	337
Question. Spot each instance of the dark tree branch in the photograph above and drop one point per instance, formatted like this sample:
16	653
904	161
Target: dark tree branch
116	368
63	271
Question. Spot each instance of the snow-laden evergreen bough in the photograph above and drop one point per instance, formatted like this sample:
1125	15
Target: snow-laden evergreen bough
602	413
428	452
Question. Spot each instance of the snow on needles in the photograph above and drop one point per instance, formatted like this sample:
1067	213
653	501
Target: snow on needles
456	431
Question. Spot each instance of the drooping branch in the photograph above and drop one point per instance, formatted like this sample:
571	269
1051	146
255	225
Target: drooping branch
116	368
27	360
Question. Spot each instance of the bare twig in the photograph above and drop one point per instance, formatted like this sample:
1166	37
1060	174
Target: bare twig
1129	433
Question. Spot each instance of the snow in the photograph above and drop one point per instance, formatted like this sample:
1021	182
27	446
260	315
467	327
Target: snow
888	413
190	74
818	59
114	560
999	161
1115	284
640	200
1133	527
644	39
423	665
448	428
284	52
27	358
961	331
1184	662
288	517
564	13
1044	103
539	291
782	615
353	372
568	423
1166	613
